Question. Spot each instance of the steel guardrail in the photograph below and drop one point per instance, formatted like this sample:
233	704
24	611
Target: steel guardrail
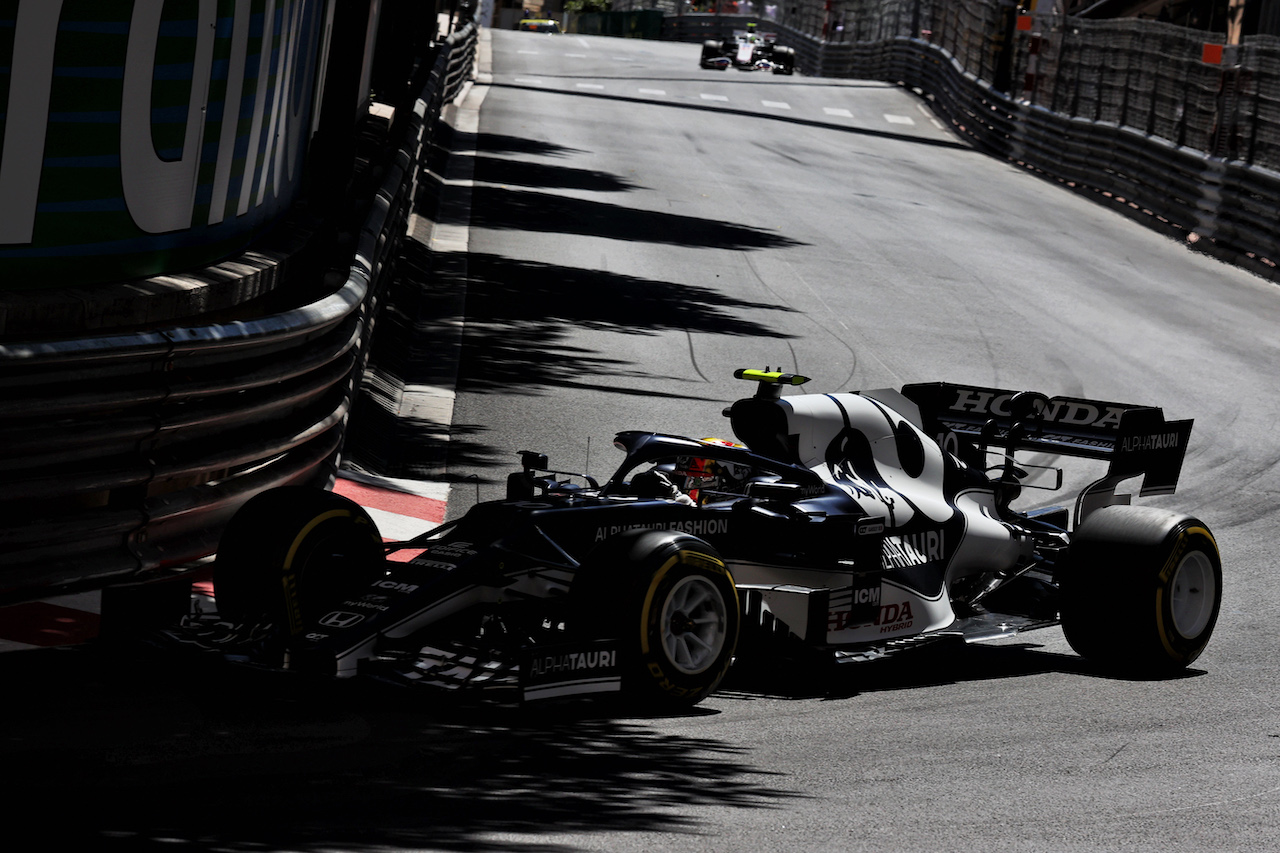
1121	110
122	456
1222	207
1184	187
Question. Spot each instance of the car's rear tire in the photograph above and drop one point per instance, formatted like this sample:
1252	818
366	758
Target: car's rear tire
291	553
1141	590
670	602
784	59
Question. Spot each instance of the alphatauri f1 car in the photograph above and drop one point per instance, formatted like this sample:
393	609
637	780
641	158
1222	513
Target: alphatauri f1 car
849	525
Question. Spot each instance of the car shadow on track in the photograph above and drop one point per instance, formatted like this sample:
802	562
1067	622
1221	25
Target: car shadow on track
928	666
135	754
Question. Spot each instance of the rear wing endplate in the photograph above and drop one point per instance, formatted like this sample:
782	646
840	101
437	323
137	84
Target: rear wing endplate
1135	439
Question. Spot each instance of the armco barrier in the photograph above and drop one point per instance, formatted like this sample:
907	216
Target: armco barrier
1223	207
1226	207
122	456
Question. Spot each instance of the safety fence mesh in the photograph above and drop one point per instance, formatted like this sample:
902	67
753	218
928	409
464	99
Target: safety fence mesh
1176	84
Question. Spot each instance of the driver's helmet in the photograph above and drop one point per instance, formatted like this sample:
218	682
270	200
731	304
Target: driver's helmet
703	475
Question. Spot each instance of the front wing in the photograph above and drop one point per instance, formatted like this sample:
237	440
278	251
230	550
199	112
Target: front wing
529	673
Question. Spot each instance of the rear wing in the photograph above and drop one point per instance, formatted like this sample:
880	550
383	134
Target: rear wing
1135	439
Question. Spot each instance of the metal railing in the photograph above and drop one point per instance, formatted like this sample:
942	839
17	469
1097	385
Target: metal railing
124	455
1124	110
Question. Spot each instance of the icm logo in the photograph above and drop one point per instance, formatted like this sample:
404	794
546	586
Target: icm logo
341	619
870	595
396	586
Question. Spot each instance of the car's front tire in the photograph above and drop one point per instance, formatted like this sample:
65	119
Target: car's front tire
711	50
291	553
1141	589
670	602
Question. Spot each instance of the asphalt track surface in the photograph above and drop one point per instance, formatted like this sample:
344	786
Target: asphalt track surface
627	249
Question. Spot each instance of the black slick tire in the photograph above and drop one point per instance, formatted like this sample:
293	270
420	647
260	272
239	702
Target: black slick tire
784	59
670	602
289	554
1141	590
710	50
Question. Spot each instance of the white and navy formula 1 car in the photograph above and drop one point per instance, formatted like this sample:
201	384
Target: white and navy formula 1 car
849	524
748	50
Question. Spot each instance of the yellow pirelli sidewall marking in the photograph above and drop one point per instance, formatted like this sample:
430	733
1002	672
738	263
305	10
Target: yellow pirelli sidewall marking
1180	548
306	531
1166	574
288	579
693	558
1162	629
1203	531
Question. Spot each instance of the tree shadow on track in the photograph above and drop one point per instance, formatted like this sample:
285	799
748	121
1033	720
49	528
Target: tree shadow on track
521	315
495	170
148	757
515	293
497	143
534	212
519	319
522	312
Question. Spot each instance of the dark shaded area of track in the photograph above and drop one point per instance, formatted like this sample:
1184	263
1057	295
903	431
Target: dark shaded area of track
136	754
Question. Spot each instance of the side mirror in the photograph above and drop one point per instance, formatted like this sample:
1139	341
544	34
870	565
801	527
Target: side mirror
520	486
532	460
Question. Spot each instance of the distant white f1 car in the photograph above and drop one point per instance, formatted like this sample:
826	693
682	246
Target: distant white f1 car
748	51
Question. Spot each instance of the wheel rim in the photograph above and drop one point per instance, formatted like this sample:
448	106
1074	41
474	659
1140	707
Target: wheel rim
1192	592
694	624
